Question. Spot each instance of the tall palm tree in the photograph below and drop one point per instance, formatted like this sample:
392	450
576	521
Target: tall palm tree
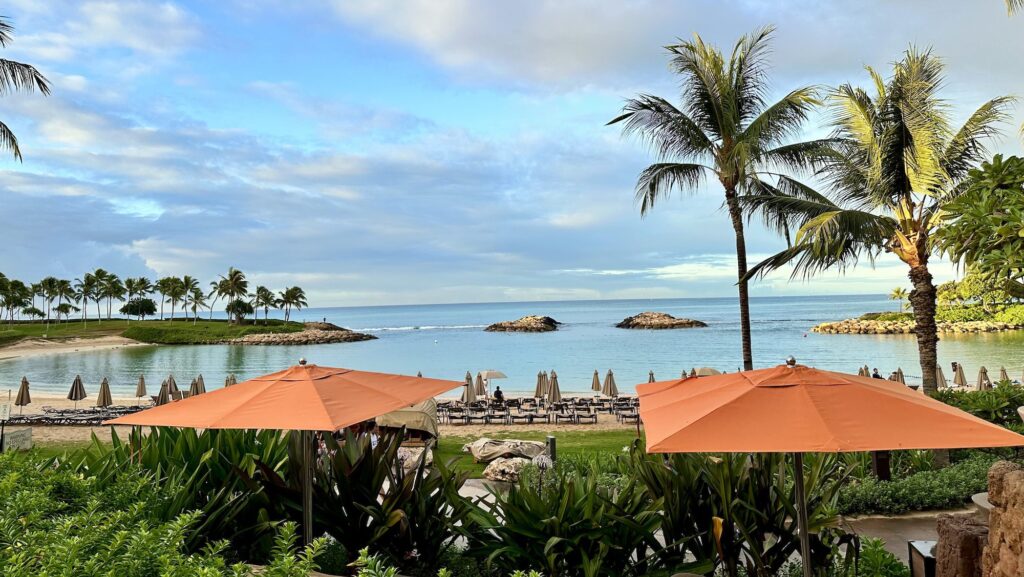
214	294
112	288
724	129
264	299
48	288
899	294
175	291
16	76
86	287
893	165
292	297
190	284
233	286
162	287
100	277
198	301
65	294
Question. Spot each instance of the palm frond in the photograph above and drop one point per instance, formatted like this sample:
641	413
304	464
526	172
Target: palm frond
808	155
748	72
657	181
781	120
8	141
16	76
967	148
786	202
1013	5
705	85
663	127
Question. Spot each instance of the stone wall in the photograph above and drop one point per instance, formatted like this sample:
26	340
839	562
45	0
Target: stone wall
958	552
1004	554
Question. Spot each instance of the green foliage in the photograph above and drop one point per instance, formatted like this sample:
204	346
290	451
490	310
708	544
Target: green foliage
997	405
960	314
887	316
876	561
8	336
139	307
1012	314
942	489
56	522
202	332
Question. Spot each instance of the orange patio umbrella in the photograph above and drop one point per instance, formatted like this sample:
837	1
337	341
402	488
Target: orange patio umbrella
797	409
302	398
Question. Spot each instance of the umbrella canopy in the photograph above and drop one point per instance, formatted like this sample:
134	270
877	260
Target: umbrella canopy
301	398
164	396
492	374
899	376
595	383
230	380
706	372
960	378
940	378
481	390
984	382
468	390
800	409
650	377
197	387
103	399
201	384
140	388
172	386
1003	375
693	372
554	393
77	392
24	397
609	389
540	388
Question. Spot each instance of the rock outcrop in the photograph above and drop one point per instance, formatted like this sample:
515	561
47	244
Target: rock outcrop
527	324
313	334
649	320
865	327
959	549
1004	554
505	469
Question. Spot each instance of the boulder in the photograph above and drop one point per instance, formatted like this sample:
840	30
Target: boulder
1004	554
485	450
527	324
305	337
958	551
650	320
505	469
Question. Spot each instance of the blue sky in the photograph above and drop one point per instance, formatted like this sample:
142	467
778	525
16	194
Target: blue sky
415	151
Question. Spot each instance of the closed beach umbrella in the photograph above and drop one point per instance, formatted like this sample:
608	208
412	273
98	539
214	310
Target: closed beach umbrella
707	372
481	390
960	378
984	382
899	376
554	394
650	377
860	372
1003	375
693	372
609	389
24	397
683	375
940	378
595	383
103	399
541	388
230	380
867	371
419	373
140	388
468	390
77	392
200	384
172	386
191	387
164	396
303	398
797	409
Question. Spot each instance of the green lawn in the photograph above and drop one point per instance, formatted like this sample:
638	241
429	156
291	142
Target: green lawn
568	443
178	331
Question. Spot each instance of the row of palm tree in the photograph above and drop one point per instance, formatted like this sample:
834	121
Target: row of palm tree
878	184
61	297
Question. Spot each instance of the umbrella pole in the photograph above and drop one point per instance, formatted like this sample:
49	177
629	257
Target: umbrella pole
307	486
801	514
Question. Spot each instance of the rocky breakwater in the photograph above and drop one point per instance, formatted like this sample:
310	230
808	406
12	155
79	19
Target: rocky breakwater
527	324
876	327
649	320
313	334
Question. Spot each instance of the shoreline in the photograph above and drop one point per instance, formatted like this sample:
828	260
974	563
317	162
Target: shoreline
36	347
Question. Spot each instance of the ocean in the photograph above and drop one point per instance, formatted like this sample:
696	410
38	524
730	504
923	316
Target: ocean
445	341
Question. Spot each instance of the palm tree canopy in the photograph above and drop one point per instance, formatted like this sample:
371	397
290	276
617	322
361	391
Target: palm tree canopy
16	77
893	162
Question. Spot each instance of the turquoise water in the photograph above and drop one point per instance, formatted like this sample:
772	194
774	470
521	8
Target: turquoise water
445	341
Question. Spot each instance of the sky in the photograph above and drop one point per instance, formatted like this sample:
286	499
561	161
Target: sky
419	151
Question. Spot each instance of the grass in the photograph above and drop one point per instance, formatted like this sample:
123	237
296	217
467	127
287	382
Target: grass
569	443
178	332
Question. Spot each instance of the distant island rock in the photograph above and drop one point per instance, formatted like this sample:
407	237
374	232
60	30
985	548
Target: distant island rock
527	324
313	334
650	320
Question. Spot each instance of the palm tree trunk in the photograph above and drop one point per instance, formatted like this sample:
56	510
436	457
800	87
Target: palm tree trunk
922	299
161	306
741	270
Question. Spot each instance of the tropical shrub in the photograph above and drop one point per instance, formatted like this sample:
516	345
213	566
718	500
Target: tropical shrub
890	316
941	489
139	307
1013	314
962	314
874	560
997	405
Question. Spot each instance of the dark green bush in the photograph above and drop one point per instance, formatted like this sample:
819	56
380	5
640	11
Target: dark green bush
887	316
941	489
960	314
1012	314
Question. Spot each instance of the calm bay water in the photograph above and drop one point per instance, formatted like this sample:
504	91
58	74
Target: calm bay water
445	341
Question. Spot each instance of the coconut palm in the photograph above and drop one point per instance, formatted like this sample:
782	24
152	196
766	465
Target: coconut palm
899	294
190	284
112	288
895	162
162	287
100	277
232	287
48	289
175	292
264	299
725	129
214	294
86	287
197	299
16	76
292	298
65	294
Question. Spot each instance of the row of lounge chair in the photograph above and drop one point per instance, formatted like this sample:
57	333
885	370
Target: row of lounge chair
529	411
91	416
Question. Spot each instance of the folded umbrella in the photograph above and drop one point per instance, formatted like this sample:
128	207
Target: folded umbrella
984	383
1004	377
103	399
140	388
554	393
77	392
24	397
610	389
650	377
595	383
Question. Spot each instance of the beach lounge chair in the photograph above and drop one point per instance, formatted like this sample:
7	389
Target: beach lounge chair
524	418
565	415
540	417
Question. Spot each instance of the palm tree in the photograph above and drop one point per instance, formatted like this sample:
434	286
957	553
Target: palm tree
233	286
16	76
190	284
48	288
1013	5
112	288
292	297
899	294
215	294
895	162
198	301
86	287
162	287
100	277
65	294
264	298
724	129
175	291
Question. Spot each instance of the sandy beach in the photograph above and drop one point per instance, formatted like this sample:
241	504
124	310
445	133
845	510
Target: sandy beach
39	347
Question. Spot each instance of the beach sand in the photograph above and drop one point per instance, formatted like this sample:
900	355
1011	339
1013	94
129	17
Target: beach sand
38	347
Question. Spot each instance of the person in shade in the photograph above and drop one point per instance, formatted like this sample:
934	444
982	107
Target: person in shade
498	394
875	374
